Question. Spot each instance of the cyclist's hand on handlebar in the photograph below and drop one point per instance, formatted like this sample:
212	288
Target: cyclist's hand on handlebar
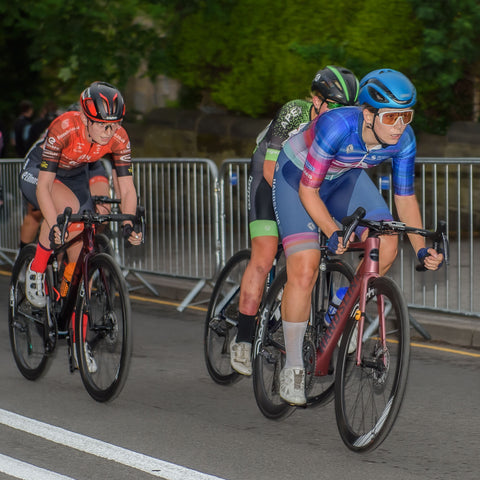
335	243
430	258
55	236
129	233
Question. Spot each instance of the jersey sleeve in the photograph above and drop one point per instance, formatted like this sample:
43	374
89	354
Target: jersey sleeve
328	136
121	154
56	140
289	119
403	165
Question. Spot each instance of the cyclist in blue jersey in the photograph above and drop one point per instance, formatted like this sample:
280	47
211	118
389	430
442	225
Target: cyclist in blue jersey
320	176
332	87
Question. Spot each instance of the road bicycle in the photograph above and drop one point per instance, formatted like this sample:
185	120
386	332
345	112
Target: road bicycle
93	315
367	372
222	316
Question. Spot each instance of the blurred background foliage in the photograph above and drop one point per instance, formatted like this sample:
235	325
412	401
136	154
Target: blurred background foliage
247	56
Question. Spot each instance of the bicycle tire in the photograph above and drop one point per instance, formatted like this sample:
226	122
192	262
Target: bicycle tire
103	325
221	320
368	397
269	354
26	324
334	275
269	351
103	245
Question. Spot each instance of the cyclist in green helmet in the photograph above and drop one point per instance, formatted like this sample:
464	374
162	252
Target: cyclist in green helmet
331	87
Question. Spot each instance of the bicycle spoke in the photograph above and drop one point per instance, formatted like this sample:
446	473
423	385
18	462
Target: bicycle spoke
221	320
26	324
269	356
102	325
369	395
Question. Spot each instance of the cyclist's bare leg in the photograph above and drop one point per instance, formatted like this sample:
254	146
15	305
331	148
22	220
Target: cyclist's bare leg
388	251
263	254
63	197
30	225
264	249
302	271
100	187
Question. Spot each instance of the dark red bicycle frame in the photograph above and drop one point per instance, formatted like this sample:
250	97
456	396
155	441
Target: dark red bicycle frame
357	290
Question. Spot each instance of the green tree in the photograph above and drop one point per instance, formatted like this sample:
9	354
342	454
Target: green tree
253	55
450	60
57	47
249	56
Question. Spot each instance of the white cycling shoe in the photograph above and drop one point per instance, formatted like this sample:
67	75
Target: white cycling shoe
241	357
292	385
35	287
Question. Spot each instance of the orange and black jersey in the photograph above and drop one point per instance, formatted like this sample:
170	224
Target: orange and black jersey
66	147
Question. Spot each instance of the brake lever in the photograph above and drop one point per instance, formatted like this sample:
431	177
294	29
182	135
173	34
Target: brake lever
140	214
439	238
350	223
63	219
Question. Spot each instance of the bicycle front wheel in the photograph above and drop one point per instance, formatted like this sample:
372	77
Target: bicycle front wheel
221	320
26	323
103	337
368	396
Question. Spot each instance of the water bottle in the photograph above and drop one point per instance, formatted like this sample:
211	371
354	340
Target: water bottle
334	304
67	277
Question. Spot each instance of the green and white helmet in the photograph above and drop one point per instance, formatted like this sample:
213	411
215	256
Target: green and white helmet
337	84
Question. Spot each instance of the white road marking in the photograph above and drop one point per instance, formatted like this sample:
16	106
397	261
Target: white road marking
26	471
92	446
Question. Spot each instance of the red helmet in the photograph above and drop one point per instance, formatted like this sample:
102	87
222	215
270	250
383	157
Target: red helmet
102	102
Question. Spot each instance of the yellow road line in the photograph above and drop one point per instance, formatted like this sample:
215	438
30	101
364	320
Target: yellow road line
164	302
445	349
203	309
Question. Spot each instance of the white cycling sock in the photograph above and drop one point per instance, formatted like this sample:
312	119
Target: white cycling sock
294	333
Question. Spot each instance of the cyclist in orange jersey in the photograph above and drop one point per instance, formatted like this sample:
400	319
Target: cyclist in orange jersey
55	175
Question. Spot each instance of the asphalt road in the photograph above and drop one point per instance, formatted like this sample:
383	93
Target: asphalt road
172	422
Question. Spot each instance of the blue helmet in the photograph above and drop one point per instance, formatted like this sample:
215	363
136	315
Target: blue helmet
387	88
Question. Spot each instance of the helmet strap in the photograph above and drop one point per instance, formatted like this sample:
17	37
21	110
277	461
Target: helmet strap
372	127
90	122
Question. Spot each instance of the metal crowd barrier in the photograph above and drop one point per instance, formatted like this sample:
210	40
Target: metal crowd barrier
11	212
447	189
197	218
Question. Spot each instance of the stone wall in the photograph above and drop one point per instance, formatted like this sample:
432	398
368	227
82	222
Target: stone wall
172	132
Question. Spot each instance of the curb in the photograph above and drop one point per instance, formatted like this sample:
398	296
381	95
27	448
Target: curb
457	330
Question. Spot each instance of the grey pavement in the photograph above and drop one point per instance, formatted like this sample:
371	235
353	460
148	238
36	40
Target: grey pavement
455	330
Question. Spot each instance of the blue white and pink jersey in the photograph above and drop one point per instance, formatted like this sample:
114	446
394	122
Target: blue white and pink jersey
331	155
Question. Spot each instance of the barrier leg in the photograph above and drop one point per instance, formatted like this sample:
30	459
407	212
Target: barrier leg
192	294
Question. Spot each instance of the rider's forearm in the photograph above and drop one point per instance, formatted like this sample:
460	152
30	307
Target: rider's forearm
128	195
409	213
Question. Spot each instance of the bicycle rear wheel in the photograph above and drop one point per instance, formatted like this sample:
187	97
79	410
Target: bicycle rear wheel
334	274
269	354
269	351
26	323
368	396
221	320
103	337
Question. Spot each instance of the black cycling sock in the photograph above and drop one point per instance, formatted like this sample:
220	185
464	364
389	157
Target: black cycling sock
22	244
246	328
